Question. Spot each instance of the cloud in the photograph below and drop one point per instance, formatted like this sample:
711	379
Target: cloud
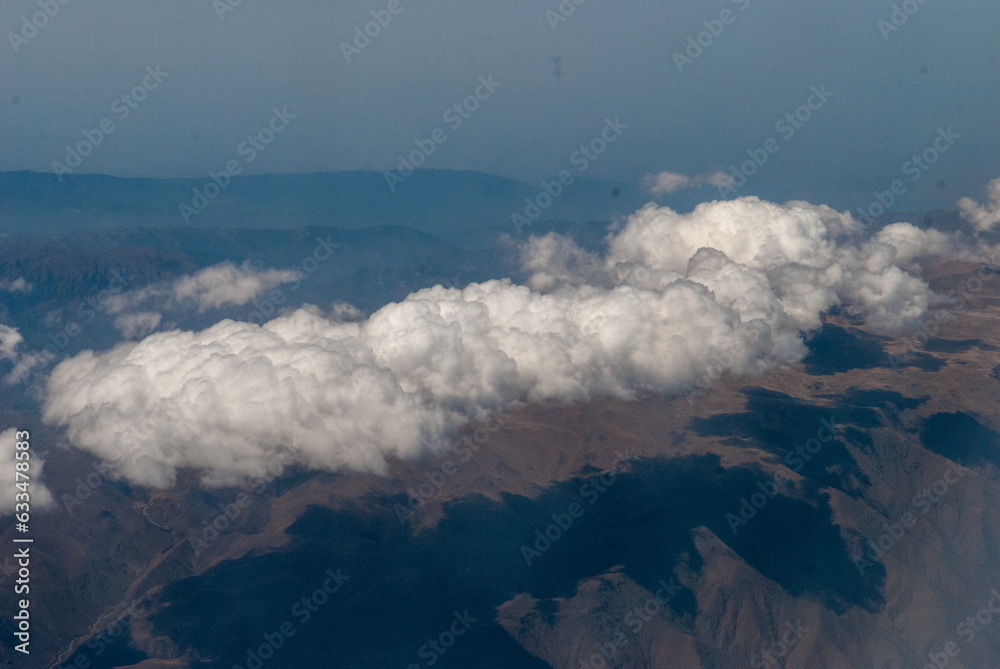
18	285
908	244
665	182
226	284
26	365
138	325
10	340
668	182
342	311
983	218
740	282
211	288
719	180
10	349
41	498
796	257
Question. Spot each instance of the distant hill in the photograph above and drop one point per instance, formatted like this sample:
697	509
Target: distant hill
435	201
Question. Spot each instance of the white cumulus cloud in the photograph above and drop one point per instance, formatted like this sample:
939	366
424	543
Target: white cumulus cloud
740	281
984	218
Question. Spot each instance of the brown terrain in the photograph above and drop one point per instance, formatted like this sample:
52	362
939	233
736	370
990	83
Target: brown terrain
681	465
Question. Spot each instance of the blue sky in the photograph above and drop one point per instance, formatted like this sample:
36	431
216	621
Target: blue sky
892	91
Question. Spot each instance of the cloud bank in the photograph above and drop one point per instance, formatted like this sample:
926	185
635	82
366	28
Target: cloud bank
739	281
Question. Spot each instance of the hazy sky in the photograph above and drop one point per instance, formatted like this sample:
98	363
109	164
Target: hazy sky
892	91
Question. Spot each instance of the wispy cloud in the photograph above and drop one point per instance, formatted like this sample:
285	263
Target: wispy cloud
668	182
18	285
214	287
